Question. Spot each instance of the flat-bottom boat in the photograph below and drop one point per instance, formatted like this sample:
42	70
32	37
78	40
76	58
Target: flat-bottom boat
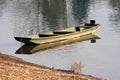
30	49
61	35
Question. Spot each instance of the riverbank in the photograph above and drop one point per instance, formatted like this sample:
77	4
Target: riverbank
13	68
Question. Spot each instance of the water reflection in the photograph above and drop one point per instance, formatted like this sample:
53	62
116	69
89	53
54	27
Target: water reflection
115	15
53	14
26	17
80	9
29	49
38	16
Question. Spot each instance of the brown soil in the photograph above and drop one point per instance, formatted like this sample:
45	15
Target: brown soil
13	68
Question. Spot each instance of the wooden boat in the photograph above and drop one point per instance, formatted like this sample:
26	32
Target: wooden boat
60	35
30	49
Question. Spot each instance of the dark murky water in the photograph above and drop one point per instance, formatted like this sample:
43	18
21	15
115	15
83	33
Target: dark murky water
25	17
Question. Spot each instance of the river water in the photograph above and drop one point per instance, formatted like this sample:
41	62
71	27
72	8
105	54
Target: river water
25	17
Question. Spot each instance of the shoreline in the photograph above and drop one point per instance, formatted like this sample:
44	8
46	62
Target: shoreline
15	68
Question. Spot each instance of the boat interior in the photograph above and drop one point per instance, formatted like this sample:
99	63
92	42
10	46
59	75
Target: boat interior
65	31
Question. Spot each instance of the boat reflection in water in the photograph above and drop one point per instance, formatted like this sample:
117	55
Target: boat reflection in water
32	48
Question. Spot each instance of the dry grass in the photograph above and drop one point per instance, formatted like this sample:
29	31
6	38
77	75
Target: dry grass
12	68
76	67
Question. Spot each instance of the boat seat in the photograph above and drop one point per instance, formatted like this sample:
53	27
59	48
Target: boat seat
77	28
46	35
62	32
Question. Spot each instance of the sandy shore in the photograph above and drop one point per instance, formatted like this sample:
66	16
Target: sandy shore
13	68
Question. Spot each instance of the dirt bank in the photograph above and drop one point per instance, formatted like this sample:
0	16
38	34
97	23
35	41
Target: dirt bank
13	68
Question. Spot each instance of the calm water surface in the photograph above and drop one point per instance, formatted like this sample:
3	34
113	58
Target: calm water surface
25	17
